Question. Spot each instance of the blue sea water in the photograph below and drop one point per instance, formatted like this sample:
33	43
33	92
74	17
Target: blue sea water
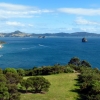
29	52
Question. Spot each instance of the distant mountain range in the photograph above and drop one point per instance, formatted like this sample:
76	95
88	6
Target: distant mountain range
61	34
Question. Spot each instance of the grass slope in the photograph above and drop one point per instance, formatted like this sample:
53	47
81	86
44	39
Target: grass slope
62	86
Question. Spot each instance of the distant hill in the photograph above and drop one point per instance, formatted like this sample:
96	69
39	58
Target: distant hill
84	34
61	34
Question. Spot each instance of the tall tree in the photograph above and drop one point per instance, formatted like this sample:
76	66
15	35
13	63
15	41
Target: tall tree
4	94
75	61
12	80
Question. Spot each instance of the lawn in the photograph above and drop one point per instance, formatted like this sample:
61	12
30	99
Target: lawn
62	88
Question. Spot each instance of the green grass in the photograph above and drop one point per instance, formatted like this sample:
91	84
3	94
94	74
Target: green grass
60	89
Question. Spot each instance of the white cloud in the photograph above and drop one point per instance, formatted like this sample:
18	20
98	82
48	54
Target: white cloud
83	21
9	6
89	29
80	11
12	10
30	25
14	23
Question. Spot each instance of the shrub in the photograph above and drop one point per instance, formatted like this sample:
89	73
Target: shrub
39	84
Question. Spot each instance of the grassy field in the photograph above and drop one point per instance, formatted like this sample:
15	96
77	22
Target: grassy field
62	86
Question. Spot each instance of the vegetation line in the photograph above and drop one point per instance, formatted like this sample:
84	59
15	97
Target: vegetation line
75	81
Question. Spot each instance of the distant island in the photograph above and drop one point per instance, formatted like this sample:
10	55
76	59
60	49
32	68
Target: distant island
84	40
60	34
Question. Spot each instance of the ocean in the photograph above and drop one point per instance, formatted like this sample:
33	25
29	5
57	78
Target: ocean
27	52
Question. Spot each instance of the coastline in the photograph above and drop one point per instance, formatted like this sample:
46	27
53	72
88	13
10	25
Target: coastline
1	46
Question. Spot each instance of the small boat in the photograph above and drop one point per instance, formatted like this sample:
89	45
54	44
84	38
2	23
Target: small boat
84	40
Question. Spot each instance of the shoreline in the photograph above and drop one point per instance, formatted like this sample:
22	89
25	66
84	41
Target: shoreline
1	46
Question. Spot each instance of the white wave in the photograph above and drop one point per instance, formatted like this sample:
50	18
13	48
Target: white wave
41	45
25	48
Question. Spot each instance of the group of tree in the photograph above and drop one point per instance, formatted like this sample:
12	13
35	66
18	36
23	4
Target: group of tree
10	78
89	81
48	70
8	86
79	63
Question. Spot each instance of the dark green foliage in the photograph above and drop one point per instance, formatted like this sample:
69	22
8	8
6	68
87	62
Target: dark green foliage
89	79
90	83
12	70
21	71
56	69
28	72
25	83
13	92
96	86
75	61
39	84
4	94
78	63
48	70
12	80
1	71
85	63
37	71
8	87
69	69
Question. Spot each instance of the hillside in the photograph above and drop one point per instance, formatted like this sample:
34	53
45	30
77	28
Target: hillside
61	34
62	87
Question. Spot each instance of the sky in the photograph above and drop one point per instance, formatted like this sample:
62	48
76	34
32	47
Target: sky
50	16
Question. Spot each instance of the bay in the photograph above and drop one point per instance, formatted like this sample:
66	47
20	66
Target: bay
29	52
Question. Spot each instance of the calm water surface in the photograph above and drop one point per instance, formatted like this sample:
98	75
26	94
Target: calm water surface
30	52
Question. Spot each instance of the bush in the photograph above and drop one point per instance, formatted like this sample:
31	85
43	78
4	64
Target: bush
90	83
12	70
69	70
39	84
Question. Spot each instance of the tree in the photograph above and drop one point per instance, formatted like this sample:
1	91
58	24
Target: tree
1	71
25	83
13	92
75	61
21	71
12	80
4	94
85	63
12	70
89	81
39	84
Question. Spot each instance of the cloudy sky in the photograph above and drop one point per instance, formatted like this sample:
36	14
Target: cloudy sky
50	16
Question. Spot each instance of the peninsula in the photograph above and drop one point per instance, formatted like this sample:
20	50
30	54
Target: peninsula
38	35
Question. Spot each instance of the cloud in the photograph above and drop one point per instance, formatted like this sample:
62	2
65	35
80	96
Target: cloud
80	11
12	10
82	21
14	24
30	25
89	29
